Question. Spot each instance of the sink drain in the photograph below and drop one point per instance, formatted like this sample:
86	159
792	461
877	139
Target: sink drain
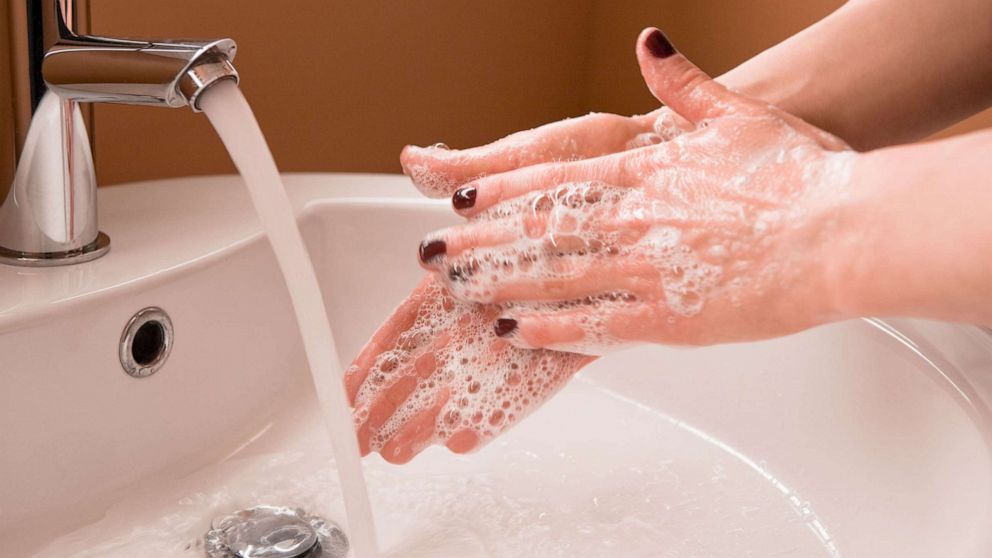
274	532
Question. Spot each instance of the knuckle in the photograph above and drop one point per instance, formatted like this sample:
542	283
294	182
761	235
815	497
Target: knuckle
534	225
552	175
394	456
687	78
629	167
607	120
554	288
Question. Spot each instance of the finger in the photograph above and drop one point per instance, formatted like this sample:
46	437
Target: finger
489	191
415	435
463	441
590	329
621	280
679	84
372	416
384	339
441	246
390	398
668	125
438	171
569	219
562	279
446	245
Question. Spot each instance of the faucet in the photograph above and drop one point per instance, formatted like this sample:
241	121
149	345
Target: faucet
48	213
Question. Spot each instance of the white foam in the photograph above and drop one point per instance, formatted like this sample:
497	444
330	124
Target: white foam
567	233
700	222
431	183
488	390
704	201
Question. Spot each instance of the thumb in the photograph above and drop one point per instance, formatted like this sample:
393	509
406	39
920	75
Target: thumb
679	84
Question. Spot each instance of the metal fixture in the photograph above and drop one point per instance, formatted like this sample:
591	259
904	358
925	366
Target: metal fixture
274	532
146	342
48	212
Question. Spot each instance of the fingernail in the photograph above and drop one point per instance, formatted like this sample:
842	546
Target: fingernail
659	45
505	326
442	146
464	197
430	249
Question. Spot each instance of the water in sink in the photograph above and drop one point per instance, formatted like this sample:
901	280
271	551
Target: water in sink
590	474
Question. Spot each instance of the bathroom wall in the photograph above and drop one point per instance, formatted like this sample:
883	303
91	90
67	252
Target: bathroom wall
342	85
7	140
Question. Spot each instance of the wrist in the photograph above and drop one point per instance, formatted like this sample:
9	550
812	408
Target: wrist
901	244
915	233
832	233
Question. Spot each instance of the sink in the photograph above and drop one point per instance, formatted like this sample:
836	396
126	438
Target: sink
866	438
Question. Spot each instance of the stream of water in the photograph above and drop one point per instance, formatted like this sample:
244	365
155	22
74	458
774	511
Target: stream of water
235	123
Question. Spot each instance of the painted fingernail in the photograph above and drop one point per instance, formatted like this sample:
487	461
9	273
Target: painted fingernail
464	197
505	326
430	249
659	45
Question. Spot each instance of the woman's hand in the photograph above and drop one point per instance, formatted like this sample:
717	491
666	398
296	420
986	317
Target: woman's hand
435	373
439	171
717	235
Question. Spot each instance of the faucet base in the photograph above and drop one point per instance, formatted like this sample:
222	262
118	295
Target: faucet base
91	251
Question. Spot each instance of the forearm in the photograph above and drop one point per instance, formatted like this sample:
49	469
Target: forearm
913	235
880	72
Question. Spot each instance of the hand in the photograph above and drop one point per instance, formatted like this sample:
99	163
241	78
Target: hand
717	235
409	386
435	373
439	171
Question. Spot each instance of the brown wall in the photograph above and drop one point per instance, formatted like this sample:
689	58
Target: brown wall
342	85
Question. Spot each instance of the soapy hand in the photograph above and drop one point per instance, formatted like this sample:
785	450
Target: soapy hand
435	372
717	235
439	171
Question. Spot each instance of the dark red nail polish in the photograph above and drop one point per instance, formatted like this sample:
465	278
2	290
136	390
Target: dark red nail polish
505	326
659	45
430	249
464	198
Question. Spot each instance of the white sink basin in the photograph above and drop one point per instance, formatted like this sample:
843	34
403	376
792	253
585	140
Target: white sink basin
860	439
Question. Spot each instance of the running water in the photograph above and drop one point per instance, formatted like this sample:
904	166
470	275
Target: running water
235	123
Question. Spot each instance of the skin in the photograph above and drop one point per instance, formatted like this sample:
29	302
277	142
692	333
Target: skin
909	67
855	233
751	163
393	368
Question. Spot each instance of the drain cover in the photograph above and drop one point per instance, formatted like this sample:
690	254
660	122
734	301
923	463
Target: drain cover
274	532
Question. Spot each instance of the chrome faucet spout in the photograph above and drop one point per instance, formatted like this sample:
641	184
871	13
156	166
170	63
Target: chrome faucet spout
167	73
48	187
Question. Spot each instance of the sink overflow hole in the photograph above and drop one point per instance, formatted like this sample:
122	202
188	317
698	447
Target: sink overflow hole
149	341
146	342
